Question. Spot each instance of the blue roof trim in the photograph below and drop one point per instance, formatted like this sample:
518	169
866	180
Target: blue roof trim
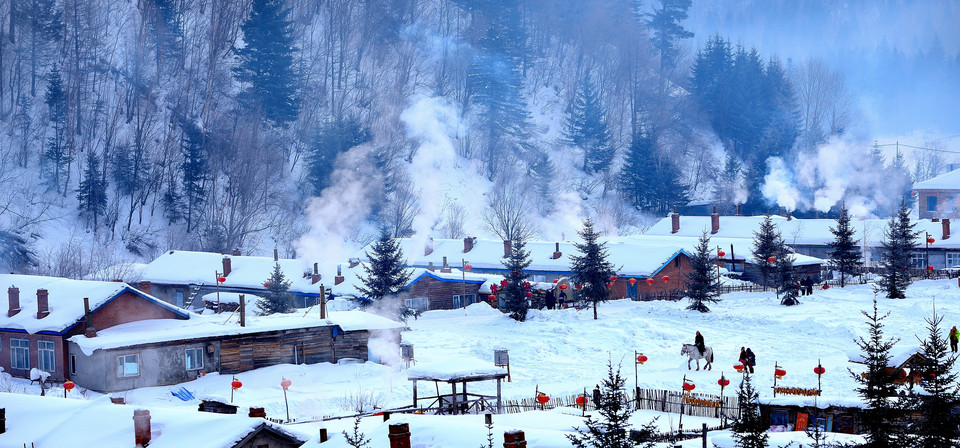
46	332
436	277
675	255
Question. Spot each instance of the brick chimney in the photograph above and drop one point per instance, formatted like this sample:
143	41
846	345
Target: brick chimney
714	222
43	303
276	254
514	439
399	434
146	287
236	253
339	278
507	248
738	209
13	294
226	266
428	247
354	262
430	266
141	427
257	412
945	224
315	277
89	331
446	267
674	221
556	251
789	216
467	244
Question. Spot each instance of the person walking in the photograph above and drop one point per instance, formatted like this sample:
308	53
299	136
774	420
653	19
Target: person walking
561	300
698	341
751	359
551	300
743	357
954	338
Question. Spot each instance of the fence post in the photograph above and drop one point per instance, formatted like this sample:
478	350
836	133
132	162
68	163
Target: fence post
704	435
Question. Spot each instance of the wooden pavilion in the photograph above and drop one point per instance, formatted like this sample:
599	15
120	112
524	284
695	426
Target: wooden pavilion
454	372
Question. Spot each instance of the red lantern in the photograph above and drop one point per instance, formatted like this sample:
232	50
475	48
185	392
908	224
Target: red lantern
69	385
649	281
772	259
578	287
632	281
543	398
467	267
929	268
723	382
528	294
779	373
285	383
666	278
642	358
721	254
582	400
931	240
221	279
236	384
556	280
613	278
689	386
563	286
609	285
819	370
267	285
492	297
738	367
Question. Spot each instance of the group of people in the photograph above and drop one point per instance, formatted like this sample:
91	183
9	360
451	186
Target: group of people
749	360
806	286
556	303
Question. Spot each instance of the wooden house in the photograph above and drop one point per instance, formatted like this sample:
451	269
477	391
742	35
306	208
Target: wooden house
784	415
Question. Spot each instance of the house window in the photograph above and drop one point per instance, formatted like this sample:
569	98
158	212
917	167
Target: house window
20	354
931	203
46	356
73	364
128	365
194	358
779	418
180	297
918	260
460	302
418	303
953	259
539	277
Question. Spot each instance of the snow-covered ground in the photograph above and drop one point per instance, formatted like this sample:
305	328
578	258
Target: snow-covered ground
562	352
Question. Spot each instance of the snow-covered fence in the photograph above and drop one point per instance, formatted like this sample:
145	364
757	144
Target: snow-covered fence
700	405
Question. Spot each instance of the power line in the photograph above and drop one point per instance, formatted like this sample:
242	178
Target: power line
916	147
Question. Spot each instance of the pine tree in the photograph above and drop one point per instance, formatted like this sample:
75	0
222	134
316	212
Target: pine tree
513	296
749	430
649	181
586	127
730	189
278	298
591	269
385	273
788	287
92	191
899	242
612	430
844	255
266	63
42	20
702	283
172	201
195	174
938	424
56	155
877	386
765	246
665	24
331	140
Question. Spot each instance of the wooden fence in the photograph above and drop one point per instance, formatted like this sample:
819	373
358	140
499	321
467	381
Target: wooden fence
699	405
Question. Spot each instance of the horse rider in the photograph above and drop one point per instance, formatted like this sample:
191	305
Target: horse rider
698	341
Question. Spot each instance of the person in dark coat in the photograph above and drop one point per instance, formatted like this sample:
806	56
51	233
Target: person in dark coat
551	300
698	341
809	286
743	357
751	359
562	299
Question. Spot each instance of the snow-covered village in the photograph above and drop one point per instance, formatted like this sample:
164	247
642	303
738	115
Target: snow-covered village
493	223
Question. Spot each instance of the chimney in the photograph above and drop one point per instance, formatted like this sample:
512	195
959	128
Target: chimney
243	310
430	266
315	277
945	224
13	293
675	221
226	266
323	302
146	287
141	427
276	254
43	303
339	278
556	251
236	253
428	247
714	222
789	215
89	331
507	248
446	267
354	262
514	439
399	434
467	244
257	412
738	209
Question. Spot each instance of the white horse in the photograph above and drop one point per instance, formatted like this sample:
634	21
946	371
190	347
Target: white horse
694	354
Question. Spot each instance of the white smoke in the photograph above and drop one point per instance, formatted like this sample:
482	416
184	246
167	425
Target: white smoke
778	184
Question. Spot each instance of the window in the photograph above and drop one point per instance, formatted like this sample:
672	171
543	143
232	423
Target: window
779	418
194	358
180	297
918	260
931	203
418	303
460	302
20	354
73	364
128	365
46	356
539	277
953	259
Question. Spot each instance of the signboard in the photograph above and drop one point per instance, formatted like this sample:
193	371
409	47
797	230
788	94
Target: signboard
801	422
501	358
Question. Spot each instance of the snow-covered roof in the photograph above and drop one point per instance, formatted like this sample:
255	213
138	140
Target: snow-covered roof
798	231
181	267
635	259
946	181
741	246
899	354
54	421
455	370
65	301
218	325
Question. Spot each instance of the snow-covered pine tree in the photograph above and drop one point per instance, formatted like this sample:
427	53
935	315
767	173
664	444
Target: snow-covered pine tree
635	178
56	157
586	127
266	63
664	21
877	387
385	273
612	430
195	174
513	296
844	254
702	283
788	288
749	430
591	269
899	242
278	298
92	191
938	424
764	247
